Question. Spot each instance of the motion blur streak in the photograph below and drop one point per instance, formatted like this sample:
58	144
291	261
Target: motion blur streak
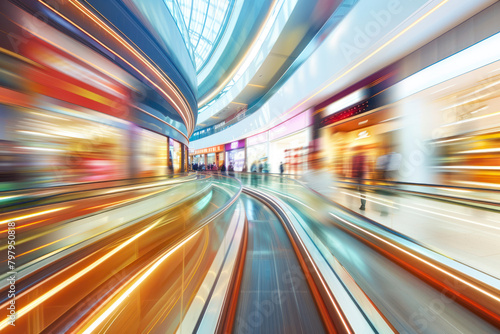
155	265
184	111
428	211
33	215
29	224
46	245
73	278
475	287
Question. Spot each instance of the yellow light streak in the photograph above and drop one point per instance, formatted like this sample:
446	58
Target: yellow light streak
29	224
117	303
475	287
73	278
33	215
184	112
200	258
46	245
217	89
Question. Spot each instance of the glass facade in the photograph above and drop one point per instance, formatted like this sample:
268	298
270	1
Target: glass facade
202	23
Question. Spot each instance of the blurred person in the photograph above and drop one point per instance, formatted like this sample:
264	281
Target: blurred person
253	167
265	169
265	166
282	168
223	169
253	178
387	165
359	170
317	177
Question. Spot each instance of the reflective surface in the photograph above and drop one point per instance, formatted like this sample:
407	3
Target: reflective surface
410	304
274	295
77	268
202	23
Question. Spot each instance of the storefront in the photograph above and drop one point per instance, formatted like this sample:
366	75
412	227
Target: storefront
257	149
372	135
175	149
458	130
211	165
289	144
208	156
235	155
152	153
50	148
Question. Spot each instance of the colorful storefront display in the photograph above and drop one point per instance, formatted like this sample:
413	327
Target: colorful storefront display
235	155
152	154
257	150
289	144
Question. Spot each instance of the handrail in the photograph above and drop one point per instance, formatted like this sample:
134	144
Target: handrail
42	196
430	185
88	305
424	194
331	313
2	192
23	269
387	186
433	268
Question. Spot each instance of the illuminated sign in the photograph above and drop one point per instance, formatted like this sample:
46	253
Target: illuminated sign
257	139
363	134
235	144
213	149
292	125
347	113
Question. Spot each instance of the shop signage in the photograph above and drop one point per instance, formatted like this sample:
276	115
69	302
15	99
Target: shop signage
219	125
344	114
292	125
235	145
213	149
363	134
257	139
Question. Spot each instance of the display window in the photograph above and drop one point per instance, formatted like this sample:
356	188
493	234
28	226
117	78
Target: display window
152	154
211	161
236	160
52	148
256	155
235	156
292	151
220	158
197	161
175	149
370	136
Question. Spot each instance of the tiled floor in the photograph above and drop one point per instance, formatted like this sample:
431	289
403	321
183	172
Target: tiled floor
466	234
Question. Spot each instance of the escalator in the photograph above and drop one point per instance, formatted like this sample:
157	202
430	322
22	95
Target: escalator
274	295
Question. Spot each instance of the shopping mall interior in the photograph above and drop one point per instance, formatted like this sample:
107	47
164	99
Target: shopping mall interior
250	166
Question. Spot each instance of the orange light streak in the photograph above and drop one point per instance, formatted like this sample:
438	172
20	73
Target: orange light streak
185	112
